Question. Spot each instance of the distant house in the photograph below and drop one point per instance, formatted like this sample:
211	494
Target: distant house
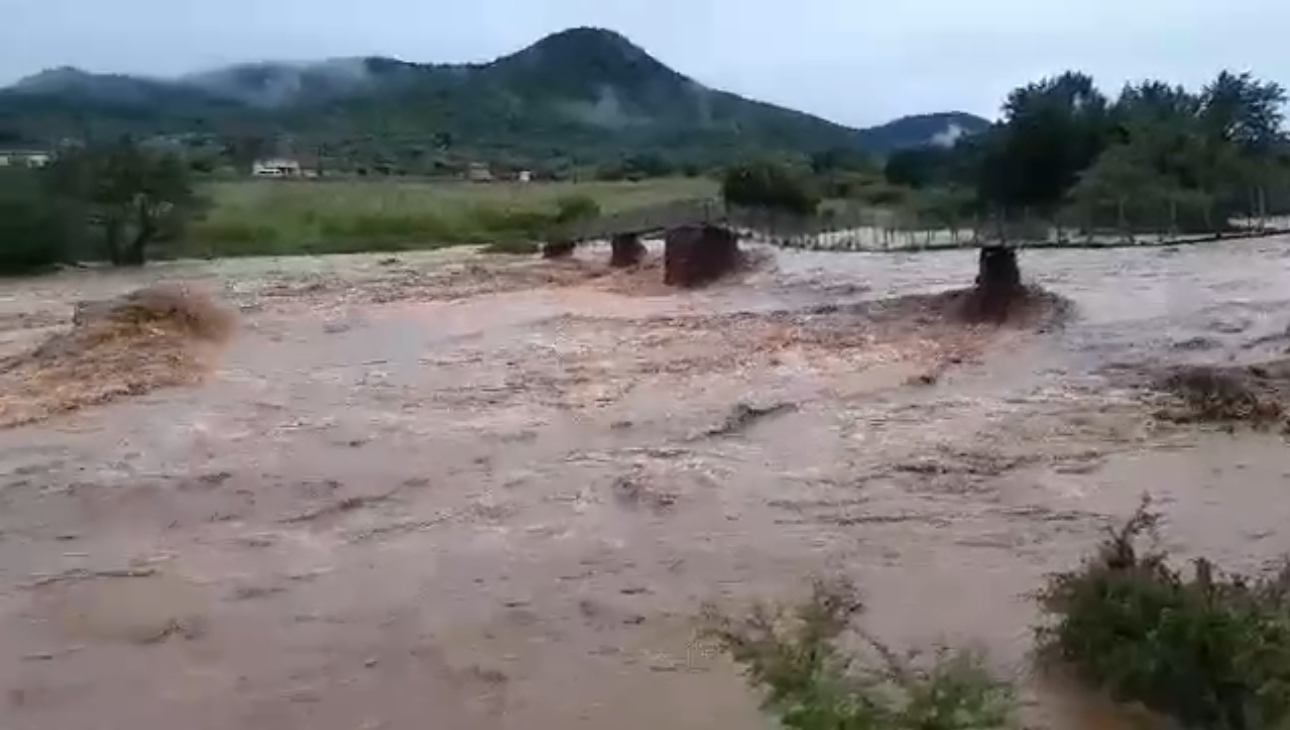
23	158
525	176
276	167
479	172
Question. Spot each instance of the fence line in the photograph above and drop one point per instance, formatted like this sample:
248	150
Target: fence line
873	229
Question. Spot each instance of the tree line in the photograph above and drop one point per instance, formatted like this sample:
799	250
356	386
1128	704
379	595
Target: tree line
1155	156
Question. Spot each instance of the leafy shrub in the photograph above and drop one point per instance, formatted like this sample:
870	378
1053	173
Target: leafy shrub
810	685
1211	651
573	208
771	186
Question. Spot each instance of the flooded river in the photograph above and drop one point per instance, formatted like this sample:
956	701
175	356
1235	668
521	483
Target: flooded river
443	491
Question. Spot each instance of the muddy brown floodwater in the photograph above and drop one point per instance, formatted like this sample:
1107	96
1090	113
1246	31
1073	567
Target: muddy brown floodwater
452	491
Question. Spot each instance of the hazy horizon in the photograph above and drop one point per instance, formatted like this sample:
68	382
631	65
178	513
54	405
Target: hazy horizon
825	57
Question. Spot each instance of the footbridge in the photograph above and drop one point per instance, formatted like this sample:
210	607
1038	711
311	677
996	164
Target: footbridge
701	240
869	229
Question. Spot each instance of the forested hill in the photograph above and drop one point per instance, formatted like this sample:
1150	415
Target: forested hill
585	95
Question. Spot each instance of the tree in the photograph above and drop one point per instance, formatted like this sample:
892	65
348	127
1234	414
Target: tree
769	186
130	195
1120	177
1243	118
1052	131
1246	112
921	167
943	207
839	159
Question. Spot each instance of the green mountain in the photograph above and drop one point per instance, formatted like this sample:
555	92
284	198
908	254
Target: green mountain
579	96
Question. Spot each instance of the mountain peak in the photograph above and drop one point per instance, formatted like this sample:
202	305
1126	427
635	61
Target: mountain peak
73	82
592	48
941	129
587	63
586	40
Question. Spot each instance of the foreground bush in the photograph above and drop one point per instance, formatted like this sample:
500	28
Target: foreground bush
1211	651
810	684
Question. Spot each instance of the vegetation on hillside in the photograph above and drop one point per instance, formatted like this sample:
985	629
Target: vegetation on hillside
582	102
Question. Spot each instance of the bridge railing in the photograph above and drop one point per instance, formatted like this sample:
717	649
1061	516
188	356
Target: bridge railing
866	228
646	220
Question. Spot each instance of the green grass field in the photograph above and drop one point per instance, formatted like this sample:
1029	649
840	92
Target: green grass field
281	217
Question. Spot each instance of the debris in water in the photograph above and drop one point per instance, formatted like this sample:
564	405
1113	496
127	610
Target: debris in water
633	491
744	415
1254	394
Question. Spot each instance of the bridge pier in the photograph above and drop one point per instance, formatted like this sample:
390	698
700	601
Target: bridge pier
626	249
697	254
998	285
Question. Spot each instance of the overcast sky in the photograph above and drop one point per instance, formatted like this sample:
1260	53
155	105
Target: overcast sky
854	61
